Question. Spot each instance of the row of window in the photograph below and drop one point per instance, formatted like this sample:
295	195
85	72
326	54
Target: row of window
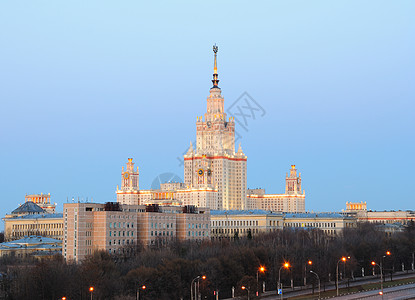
36	226
317	225
121	225
161	233
122	233
234	223
120	242
196	233
232	230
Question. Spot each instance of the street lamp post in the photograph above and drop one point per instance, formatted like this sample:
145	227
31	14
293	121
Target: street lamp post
310	263
285	265
138	291
413	260
319	290
387	253
381	276
91	290
260	269
245	288
343	259
191	286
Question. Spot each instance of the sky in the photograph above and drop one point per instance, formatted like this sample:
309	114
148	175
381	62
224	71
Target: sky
84	85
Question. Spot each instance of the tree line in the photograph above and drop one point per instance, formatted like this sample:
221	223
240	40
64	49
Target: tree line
167	271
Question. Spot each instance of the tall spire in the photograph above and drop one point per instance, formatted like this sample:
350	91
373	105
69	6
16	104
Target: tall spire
215	69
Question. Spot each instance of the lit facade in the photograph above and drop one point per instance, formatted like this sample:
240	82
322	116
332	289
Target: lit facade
356	206
129	192
213	163
43	201
46	225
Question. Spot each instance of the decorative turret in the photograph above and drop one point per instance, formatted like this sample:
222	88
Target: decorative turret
191	150
293	182
130	178
240	152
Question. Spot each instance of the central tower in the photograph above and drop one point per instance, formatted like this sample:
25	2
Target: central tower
214	164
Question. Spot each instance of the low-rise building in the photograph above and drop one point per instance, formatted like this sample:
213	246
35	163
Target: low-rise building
330	223
234	223
36	246
238	223
30	219
359	211
46	225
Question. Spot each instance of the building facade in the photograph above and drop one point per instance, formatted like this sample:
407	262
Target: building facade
46	225
31	219
113	227
238	223
225	224
329	223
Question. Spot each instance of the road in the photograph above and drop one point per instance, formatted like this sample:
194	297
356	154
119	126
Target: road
288	293
397	292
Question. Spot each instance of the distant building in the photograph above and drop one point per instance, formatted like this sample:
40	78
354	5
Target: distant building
330	223
227	223
113	227
231	223
215	173
356	206
293	200
30	219
43	201
360	212
36	246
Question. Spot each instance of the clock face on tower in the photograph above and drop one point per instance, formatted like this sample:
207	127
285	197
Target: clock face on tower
126	175
200	172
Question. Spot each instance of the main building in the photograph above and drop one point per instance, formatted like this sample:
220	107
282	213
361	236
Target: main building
215	175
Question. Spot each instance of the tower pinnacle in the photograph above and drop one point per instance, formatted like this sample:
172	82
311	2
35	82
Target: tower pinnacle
215	68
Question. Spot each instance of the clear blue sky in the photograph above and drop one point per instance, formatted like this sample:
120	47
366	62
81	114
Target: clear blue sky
86	84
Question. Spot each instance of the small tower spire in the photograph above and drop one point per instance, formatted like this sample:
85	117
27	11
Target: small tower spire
215	68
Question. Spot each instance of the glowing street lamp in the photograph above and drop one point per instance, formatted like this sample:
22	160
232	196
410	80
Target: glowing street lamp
381	276
387	253
262	270
245	288
286	265
91	290
191	285
309	263
343	259
143	287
